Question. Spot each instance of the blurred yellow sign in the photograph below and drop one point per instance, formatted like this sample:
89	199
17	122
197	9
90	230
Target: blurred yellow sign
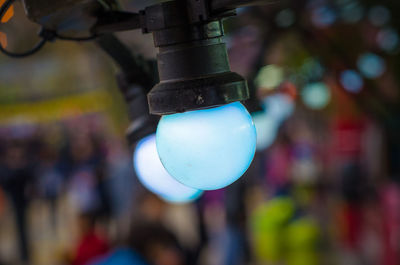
55	109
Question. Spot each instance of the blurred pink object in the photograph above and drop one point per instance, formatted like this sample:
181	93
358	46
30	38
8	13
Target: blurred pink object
391	222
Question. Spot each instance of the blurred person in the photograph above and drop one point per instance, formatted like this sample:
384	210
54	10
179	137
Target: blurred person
156	244
92	244
120	256
150	207
2	202
86	175
16	177
123	186
50	179
237	250
149	243
104	210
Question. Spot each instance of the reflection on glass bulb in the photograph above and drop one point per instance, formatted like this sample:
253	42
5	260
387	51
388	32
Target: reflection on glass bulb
155	178
207	149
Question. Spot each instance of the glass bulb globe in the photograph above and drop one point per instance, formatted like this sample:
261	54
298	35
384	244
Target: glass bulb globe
207	149
155	178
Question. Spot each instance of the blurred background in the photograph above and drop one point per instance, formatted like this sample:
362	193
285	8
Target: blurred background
322	189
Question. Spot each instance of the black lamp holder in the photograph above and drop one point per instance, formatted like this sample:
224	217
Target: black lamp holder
192	60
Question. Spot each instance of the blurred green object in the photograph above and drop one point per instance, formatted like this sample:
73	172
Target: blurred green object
267	224
301	242
302	258
302	233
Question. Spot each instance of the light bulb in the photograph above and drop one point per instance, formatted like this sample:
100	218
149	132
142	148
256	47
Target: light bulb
207	149
155	178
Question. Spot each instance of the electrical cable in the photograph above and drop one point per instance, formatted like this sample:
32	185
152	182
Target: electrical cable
46	35
88	38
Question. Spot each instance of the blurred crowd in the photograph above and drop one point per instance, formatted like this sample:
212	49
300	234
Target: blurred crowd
73	163
315	196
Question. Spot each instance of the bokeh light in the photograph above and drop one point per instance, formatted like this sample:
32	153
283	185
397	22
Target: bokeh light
312	69
269	77
371	65
379	15
267	129
279	106
351	81
207	149
285	18
388	39
155	178
316	95
323	16
351	11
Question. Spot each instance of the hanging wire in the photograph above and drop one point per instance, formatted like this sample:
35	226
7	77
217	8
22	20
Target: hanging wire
88	38
45	34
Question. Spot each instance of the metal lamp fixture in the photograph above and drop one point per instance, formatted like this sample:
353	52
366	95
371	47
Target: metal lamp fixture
192	60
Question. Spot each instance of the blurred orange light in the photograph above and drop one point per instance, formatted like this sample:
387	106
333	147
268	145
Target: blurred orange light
9	14
3	40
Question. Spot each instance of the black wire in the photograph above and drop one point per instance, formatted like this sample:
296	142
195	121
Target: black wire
89	38
46	35
35	49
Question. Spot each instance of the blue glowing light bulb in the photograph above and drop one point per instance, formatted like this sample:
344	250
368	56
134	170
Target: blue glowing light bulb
207	149
155	178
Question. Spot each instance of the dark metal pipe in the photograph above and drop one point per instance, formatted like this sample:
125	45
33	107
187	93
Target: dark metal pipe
136	77
143	72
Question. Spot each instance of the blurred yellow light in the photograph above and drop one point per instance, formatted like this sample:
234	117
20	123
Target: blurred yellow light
3	40
9	13
270	77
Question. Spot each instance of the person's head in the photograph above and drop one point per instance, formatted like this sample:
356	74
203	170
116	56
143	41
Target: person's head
82	148
86	223
15	154
150	206
156	244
